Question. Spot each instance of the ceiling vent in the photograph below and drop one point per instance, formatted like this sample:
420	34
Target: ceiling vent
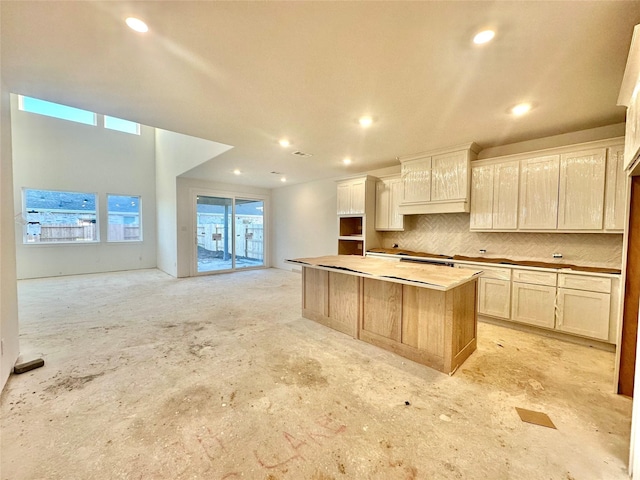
301	154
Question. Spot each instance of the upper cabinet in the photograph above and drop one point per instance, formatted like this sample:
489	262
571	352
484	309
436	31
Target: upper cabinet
539	193
578	188
352	196
581	192
389	193
615	200
438	181
494	196
630	97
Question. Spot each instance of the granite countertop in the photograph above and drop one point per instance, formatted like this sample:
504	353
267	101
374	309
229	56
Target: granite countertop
500	261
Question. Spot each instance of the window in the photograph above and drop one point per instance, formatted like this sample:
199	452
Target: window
56	110
124	218
59	217
121	125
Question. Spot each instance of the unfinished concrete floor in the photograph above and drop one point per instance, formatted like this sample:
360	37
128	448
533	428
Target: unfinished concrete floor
219	377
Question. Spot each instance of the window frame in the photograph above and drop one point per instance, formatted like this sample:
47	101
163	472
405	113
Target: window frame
140	238
25	232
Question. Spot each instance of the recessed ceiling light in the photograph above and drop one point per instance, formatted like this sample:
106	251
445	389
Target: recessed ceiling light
346	161
283	179
137	25
365	121
484	37
284	142
521	109
236	172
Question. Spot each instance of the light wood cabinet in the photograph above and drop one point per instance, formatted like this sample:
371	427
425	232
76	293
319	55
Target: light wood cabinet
389	192
438	181
629	96
494	196
539	193
581	190
615	190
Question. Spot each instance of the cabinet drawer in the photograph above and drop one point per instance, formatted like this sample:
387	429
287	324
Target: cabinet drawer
497	273
535	277
583	282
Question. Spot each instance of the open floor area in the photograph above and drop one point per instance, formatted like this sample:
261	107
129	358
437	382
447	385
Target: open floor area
151	377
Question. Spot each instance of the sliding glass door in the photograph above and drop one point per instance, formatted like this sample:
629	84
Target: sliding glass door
229	233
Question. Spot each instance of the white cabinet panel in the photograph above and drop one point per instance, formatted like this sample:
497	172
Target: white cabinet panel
482	197
584	282
344	199
539	193
358	190
382	205
494	297
388	198
581	190
396	189
416	177
533	304
584	313
449	176
535	276
615	190
506	180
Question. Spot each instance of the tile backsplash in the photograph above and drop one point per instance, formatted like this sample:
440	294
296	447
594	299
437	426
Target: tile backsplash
449	234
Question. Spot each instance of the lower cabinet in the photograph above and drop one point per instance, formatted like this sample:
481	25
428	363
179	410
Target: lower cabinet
584	313
533	304
494	297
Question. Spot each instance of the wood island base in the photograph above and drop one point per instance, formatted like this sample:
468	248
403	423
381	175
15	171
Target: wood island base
431	326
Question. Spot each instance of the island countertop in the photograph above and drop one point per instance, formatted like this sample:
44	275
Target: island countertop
431	276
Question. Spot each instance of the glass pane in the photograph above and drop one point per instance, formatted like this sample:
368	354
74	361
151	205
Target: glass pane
59	217
121	125
249	233
124	218
56	110
214	217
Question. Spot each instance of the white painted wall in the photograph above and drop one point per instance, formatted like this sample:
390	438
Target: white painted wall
304	221
187	188
54	154
8	290
175	154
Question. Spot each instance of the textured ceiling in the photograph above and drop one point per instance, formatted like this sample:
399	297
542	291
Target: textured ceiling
248	73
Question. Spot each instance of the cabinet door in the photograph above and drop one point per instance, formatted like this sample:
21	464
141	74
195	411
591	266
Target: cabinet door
533	304
358	192
449	176
416	178
506	180
494	297
584	313
615	190
395	188
482	197
539	193
581	191
382	205
344	199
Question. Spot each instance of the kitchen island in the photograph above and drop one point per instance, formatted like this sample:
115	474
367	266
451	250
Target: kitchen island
426	313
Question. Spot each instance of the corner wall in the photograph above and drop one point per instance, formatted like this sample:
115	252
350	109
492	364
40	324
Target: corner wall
54	154
304	221
8	289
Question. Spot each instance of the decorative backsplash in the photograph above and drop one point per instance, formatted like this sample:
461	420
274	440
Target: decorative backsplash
449	234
